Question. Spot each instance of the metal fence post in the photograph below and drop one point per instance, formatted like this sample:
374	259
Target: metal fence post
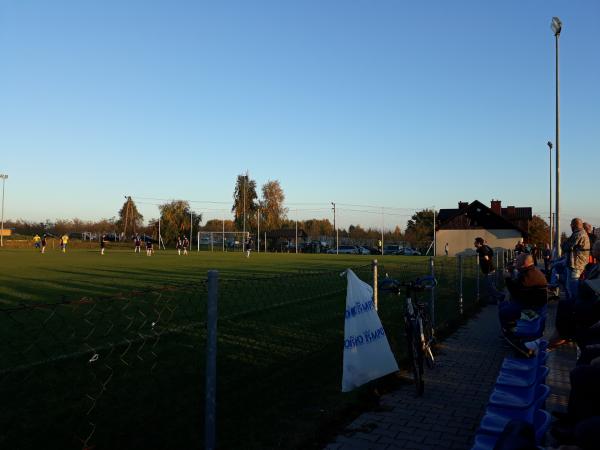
210	423
460	299
375	293
432	307
497	269
477	271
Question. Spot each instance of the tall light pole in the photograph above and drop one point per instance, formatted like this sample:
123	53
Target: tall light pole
3	177
337	248
556	29
550	182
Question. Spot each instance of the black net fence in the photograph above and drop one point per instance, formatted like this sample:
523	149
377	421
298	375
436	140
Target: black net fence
128	371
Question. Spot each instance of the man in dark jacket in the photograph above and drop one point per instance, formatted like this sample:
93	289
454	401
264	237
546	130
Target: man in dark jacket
486	263
527	291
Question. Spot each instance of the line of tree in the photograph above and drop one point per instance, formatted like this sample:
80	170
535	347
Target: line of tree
176	218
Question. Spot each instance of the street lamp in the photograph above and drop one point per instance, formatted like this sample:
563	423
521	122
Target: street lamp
556	29
550	182
3	177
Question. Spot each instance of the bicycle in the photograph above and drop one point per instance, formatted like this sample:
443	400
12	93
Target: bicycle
417	325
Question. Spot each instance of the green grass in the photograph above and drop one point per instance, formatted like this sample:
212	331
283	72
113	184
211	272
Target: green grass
28	276
279	350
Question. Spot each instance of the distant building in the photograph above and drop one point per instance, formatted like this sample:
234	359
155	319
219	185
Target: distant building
500	227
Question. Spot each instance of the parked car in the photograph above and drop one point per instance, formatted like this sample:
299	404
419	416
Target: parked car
363	250
345	250
392	249
407	251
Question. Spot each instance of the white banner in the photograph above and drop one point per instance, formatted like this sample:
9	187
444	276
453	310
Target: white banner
367	353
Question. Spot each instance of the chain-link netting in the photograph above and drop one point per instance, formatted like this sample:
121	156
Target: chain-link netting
100	373
128	371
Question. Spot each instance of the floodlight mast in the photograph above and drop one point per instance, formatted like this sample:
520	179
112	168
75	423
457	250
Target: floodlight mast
556	26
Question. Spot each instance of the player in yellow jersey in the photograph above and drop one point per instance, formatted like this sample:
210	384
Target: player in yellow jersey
37	241
64	240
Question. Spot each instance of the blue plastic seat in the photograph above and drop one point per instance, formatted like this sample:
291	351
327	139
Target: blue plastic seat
485	441
541	423
518	403
518	363
493	424
522	378
531	329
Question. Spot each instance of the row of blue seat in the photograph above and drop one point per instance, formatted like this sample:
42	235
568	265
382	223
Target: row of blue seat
520	393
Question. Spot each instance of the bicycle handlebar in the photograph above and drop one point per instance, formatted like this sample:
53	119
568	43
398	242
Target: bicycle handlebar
420	284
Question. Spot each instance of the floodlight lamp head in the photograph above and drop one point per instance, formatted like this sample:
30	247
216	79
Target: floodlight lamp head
556	26
549	145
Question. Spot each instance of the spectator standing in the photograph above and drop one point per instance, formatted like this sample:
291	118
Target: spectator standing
534	253
446	247
547	255
520	247
592	237
486	263
577	252
576	258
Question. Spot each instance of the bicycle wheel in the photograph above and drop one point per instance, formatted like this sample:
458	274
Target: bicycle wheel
428	340
415	354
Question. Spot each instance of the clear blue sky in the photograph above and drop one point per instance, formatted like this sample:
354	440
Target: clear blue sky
403	104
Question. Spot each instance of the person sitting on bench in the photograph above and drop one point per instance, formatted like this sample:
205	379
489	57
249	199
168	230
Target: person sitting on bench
527	291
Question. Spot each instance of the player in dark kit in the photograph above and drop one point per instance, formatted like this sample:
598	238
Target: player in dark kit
102	244
148	248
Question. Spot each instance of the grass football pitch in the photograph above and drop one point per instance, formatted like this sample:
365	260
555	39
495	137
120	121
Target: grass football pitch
108	351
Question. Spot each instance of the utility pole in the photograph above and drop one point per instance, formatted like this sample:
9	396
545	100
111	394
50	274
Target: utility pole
244	235
434	241
3	177
258	231
382	225
337	248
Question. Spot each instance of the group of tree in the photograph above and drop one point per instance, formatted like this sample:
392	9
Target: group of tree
62	226
248	209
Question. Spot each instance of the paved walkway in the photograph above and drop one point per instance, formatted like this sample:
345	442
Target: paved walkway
456	393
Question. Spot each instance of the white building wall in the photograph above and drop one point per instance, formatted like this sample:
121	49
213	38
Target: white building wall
462	240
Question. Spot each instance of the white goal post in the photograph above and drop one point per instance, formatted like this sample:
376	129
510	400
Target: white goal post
221	240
